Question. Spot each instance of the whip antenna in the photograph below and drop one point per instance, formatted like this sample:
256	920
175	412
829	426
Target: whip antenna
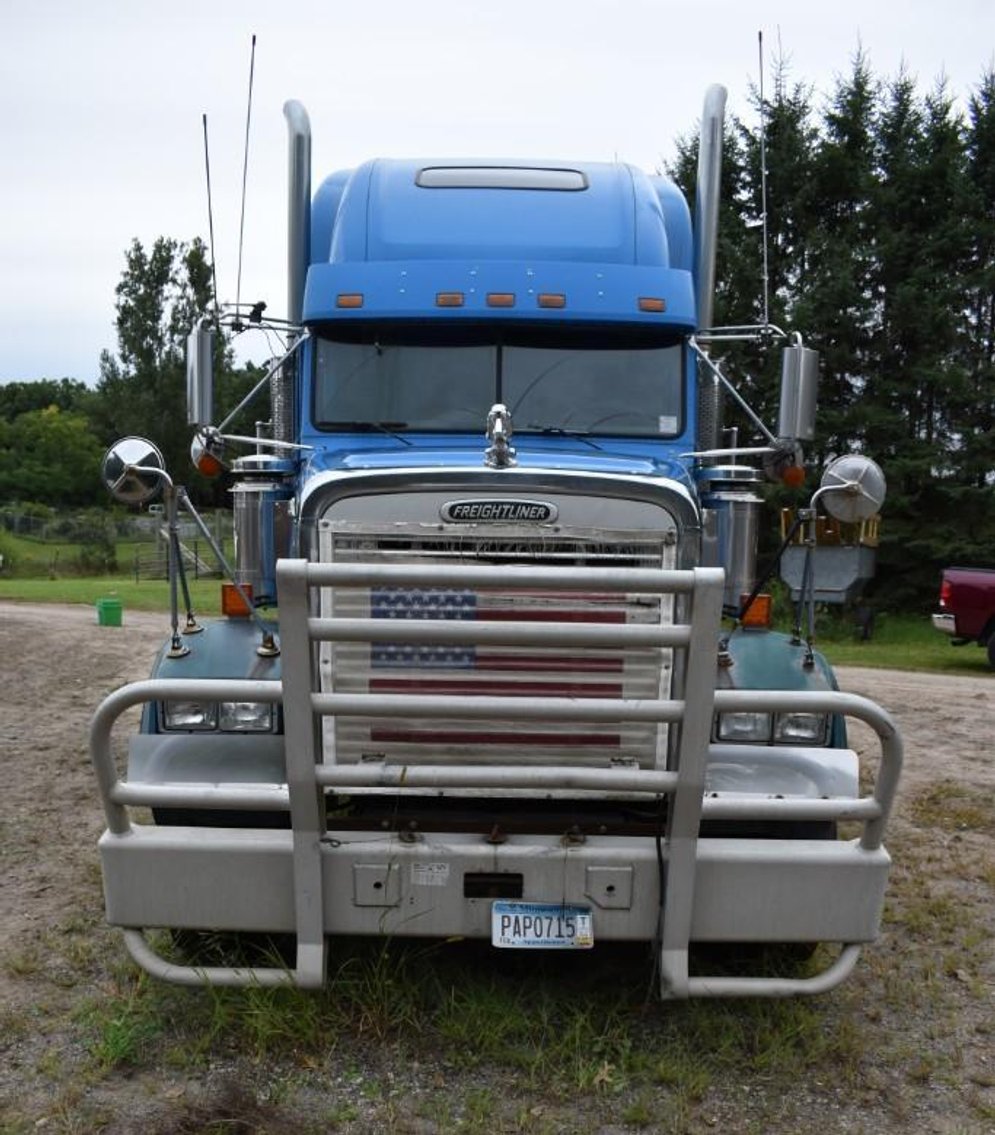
210	218
245	175
765	277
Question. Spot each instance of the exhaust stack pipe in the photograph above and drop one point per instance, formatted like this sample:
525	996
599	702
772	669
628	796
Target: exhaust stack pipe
706	232
706	201
299	214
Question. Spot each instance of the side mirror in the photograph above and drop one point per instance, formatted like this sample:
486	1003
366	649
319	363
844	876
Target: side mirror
853	488
200	376
799	386
133	470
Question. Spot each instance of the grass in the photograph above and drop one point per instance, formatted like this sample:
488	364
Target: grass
145	595
592	1030
900	642
401	1024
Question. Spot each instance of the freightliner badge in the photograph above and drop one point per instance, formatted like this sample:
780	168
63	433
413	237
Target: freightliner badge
484	511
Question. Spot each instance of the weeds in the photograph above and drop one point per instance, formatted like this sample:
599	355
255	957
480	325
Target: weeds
954	808
120	1029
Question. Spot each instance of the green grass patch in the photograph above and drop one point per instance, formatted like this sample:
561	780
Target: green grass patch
589	1026
898	642
145	595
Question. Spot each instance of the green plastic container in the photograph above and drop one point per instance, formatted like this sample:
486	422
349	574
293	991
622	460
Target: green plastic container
109	612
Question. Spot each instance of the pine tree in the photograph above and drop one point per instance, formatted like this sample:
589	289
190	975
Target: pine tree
973	414
838	308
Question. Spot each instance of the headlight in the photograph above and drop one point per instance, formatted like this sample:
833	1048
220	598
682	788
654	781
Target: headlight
246	716
744	727
190	715
225	717
801	729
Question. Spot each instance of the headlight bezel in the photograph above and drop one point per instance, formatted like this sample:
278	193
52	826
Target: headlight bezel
774	729
225	717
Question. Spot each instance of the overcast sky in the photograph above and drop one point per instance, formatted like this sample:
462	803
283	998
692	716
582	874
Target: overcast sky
101	104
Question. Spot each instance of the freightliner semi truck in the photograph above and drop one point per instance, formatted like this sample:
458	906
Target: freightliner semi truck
491	664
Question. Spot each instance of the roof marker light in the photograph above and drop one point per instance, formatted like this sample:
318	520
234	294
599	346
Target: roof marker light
652	303
552	299
500	299
349	299
448	299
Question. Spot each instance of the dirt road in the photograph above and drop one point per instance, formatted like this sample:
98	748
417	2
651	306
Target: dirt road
56	664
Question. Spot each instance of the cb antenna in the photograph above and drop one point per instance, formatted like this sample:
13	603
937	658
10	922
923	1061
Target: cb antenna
245	175
765	275
210	218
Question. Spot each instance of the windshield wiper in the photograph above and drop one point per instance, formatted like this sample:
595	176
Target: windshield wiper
559	431
366	427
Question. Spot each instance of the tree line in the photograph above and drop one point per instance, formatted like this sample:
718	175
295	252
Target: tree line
880	222
54	432
880	214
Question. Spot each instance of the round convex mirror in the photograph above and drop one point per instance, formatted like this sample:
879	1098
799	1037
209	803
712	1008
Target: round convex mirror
131	470
853	488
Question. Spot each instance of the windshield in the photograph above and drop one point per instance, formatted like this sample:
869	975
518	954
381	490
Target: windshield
389	385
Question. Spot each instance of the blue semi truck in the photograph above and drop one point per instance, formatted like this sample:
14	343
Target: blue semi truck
493	662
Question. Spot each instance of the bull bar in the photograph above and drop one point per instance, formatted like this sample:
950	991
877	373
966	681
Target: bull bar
293	880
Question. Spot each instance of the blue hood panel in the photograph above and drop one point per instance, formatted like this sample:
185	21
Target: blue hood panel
453	457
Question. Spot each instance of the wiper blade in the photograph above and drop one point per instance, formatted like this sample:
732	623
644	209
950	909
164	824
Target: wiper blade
559	431
367	427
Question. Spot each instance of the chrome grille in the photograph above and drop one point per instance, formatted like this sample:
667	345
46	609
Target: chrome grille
495	670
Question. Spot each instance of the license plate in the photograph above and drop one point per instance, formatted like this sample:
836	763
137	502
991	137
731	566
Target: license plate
541	926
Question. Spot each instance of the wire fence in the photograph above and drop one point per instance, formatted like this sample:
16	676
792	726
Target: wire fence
98	541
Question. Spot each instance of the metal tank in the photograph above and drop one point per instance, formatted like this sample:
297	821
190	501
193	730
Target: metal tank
730	525
261	502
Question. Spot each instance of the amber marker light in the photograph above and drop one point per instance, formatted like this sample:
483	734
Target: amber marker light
208	465
794	476
206	460
232	603
448	299
349	299
759	612
552	299
652	303
500	299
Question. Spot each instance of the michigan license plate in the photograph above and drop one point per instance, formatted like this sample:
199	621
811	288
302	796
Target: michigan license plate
541	926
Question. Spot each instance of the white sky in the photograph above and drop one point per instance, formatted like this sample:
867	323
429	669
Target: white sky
101	104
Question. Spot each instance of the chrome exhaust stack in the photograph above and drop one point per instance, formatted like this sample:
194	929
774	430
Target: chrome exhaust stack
299	206
706	234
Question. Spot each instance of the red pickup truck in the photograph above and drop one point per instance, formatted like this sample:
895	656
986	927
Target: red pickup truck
967	607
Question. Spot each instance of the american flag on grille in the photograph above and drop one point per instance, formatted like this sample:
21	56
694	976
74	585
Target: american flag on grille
398	603
507	671
460	670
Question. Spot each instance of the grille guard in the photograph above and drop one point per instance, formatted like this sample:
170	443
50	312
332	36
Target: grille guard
310	771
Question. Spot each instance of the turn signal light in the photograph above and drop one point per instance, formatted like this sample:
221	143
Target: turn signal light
232	603
793	476
759	612
205	454
207	464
